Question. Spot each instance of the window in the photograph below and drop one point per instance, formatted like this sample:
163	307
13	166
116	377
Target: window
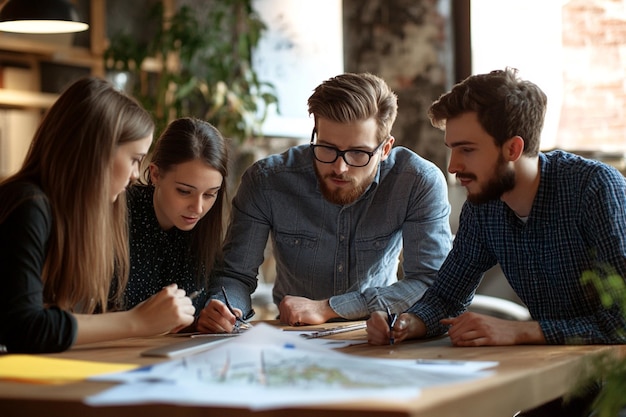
301	48
575	50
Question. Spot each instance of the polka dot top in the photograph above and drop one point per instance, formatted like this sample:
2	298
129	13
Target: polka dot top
157	257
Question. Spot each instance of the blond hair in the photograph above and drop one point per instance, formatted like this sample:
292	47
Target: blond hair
349	98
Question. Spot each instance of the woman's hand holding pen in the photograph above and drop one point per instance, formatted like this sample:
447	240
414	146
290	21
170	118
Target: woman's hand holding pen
406	326
217	318
167	311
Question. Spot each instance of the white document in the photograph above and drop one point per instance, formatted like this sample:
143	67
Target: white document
268	368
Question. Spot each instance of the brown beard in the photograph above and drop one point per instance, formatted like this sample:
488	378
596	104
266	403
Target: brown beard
340	196
502	180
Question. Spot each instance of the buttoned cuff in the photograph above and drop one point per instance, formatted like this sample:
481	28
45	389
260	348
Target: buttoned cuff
350	306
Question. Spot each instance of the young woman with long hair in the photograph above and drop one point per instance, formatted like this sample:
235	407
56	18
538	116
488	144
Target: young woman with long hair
63	228
176	212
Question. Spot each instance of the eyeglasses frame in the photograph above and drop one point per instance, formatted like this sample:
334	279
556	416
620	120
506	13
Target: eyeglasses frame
342	154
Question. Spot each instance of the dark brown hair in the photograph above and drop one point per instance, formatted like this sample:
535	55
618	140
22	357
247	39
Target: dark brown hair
189	139
506	106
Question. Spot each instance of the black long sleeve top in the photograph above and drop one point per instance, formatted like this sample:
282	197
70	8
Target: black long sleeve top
26	325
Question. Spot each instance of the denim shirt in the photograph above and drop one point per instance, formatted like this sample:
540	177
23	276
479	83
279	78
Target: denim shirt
577	222
347	253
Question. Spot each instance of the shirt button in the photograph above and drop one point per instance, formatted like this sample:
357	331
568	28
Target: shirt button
342	238
340	268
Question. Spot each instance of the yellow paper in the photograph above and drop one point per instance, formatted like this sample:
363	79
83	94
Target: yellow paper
33	368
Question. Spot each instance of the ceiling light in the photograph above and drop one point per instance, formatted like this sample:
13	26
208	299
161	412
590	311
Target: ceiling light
40	16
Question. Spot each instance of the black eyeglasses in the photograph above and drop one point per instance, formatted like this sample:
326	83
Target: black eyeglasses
353	157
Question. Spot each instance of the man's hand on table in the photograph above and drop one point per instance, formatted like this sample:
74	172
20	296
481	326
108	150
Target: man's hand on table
468	329
407	326
473	329
296	311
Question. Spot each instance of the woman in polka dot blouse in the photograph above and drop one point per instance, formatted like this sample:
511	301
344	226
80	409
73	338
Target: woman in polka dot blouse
175	212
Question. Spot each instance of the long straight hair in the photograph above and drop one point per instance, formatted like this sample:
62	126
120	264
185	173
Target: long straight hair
70	158
189	139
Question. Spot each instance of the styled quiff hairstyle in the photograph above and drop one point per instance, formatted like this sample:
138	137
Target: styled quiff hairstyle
351	98
190	139
70	158
506	106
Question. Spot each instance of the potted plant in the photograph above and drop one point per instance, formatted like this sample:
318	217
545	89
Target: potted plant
204	67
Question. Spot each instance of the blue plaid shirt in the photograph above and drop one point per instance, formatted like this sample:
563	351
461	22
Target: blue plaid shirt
348	253
577	221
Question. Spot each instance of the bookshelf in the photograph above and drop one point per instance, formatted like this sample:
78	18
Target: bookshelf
25	51
33	71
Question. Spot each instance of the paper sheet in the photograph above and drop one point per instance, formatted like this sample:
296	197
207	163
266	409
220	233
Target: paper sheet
268	368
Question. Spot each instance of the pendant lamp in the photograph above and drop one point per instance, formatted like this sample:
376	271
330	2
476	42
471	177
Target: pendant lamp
40	16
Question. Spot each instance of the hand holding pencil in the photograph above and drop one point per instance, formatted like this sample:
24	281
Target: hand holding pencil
222	316
391	320
386	328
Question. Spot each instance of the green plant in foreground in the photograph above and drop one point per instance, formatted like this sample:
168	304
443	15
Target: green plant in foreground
610	286
609	369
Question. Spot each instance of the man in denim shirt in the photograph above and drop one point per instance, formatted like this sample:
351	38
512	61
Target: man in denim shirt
339	212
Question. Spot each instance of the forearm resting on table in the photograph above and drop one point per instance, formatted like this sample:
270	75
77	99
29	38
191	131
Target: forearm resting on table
474	329
110	326
167	311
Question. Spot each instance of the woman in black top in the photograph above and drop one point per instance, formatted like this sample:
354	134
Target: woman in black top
63	228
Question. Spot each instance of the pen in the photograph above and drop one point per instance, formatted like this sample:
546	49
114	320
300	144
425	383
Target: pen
334	330
440	362
391	320
239	320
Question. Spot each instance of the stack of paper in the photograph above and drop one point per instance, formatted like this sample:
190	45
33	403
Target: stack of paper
266	368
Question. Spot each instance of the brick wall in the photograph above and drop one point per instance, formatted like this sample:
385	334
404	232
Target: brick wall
593	112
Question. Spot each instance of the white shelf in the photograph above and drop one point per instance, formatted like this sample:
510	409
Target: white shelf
55	52
26	99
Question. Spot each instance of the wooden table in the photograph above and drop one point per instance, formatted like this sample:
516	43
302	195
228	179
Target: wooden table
526	377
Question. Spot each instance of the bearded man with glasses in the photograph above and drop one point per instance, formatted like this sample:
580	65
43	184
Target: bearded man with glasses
340	212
